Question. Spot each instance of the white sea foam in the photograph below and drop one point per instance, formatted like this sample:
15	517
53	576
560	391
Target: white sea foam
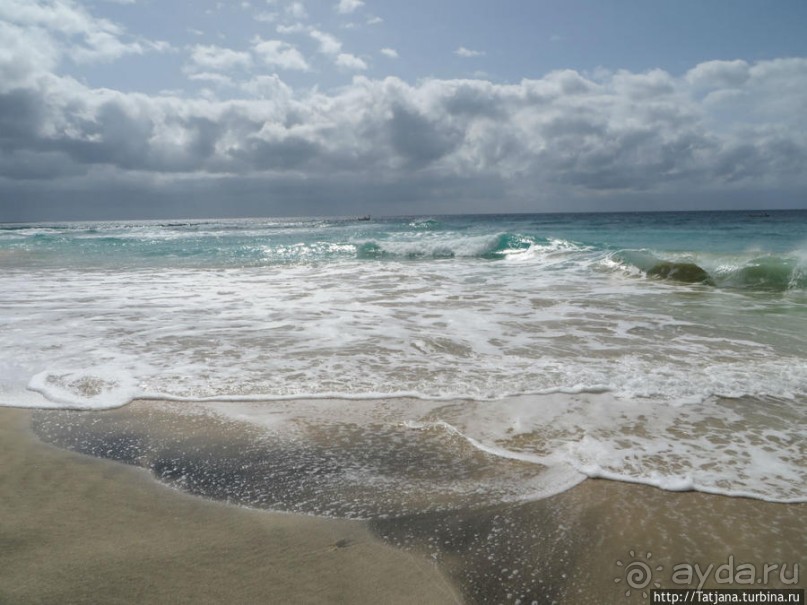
717	446
100	388
613	363
353	329
570	437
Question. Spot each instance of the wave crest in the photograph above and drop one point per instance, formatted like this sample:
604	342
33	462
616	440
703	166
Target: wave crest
770	273
765	273
497	247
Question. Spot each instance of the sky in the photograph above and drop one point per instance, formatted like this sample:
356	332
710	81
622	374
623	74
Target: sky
129	109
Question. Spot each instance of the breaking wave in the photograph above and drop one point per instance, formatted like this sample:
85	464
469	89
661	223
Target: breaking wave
769	273
496	247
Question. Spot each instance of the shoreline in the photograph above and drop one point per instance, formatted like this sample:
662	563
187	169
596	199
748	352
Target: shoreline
76	529
569	548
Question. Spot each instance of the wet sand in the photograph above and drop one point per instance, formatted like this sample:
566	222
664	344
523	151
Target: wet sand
579	547
75	529
85	525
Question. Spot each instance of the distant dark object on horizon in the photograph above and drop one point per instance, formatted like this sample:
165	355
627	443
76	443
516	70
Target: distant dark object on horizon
759	215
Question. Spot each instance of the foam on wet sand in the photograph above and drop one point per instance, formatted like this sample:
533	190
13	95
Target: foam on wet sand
75	529
568	548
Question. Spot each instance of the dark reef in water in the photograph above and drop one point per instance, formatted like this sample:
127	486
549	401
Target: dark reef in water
689	273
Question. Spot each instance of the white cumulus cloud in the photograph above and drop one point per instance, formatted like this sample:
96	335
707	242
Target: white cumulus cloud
467	52
349	6
291	29
297	10
328	44
73	31
280	54
721	126
216	58
350	61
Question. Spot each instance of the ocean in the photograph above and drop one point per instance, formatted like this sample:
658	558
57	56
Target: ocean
668	349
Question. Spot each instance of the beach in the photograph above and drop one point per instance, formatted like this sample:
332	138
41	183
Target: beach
75	529
358	302
470	408
84	530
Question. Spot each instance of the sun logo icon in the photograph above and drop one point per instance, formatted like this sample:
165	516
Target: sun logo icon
638	573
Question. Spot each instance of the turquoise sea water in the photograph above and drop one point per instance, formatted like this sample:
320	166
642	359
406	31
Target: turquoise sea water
665	348
266	242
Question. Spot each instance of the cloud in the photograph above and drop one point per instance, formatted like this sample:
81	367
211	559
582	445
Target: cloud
291	29
296	10
280	54
216	58
349	6
332	46
468	53
719	74
26	54
389	52
349	61
722	126
266	17
270	88
328	44
211	77
72	32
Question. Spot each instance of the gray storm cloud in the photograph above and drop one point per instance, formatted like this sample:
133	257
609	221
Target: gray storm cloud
722	123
